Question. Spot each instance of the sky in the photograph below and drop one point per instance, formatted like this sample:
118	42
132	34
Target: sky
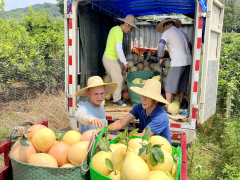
13	4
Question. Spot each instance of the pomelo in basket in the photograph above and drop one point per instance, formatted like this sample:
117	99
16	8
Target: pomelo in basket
87	136
135	168
22	153
98	162
44	139
60	152
115	175
33	129
71	137
143	155
68	165
167	165
136	143
156	175
42	159
114	147
77	152
161	141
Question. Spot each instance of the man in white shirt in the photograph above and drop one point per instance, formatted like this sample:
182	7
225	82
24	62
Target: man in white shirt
178	46
90	114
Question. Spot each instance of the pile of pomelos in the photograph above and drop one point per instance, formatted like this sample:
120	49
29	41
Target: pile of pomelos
44	150
127	164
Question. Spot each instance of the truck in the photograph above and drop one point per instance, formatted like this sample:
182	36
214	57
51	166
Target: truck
87	24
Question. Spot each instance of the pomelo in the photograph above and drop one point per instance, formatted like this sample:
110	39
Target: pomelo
42	159
71	137
135	168
126	96
152	65
134	68
165	166
130	64
173	108
129	57
146	68
176	98
135	143
140	58
87	136
161	141
159	175
146	63
22	153
68	165
33	129
143	155
140	66
114	147
106	79
176	102
108	97
44	139
165	71
115	175
98	162
135	57
174	170
77	152
118	158
167	63
60	152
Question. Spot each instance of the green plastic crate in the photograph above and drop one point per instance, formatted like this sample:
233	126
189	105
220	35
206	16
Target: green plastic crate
24	171
144	74
96	176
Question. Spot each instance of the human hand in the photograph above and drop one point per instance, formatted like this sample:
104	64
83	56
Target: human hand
110	136
125	66
97	123
162	61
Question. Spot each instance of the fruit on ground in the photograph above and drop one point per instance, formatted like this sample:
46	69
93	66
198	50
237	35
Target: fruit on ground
126	96
77	152
42	159
176	102
98	162
176	98
22	153
159	175
134	68
130	64
68	165
161	141
152	65
108	97
140	66
106	79
146	68
118	158
137	81
173	108
125	88
87	136
135	57
156	66
167	63
143	156
44	139
60	152
140	58
135	167
129	57
115	175
165	166
33	129
146	63
71	137
135	143
114	147
165	71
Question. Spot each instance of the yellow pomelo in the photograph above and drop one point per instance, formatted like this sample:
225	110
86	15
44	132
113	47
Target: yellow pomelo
143	156
161	141
165	166
115	175
173	108
136	143
77	152
174	170
159	175
118	158
176	102
43	139
98	162
114	147
135	167
71	137
68	165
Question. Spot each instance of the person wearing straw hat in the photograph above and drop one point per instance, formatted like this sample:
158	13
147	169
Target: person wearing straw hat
178	46
148	112
90	114
114	52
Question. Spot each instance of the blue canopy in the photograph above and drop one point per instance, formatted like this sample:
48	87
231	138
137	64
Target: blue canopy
121	8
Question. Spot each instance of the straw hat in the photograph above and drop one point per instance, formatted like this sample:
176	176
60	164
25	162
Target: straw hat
129	19
151	89
95	81
177	22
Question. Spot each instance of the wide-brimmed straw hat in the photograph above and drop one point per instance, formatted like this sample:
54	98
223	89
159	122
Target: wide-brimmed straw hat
177	22
151	89
95	81
130	19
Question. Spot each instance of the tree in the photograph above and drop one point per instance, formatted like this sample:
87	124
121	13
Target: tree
2	5
61	6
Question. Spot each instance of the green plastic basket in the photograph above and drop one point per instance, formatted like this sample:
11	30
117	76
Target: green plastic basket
96	176
24	171
144	74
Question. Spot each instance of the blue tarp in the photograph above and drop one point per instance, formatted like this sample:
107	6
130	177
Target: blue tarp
147	7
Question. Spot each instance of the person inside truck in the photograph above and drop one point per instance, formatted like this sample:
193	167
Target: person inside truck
178	46
114	52
148	112
90	114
